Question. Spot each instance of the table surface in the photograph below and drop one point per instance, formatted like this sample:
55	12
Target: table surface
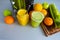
17	32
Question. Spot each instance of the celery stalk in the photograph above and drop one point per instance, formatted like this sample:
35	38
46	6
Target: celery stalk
54	12
19	4
24	4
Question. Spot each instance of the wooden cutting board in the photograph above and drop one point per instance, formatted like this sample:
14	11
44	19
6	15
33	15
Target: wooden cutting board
51	29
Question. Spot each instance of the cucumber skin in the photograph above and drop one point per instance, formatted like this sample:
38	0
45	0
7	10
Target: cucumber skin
54	12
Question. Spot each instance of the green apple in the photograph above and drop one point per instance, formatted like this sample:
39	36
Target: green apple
45	5
7	12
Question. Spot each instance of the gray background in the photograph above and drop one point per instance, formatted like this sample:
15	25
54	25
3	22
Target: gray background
17	32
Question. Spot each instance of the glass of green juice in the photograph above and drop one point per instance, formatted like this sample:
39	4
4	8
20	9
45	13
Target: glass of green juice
36	18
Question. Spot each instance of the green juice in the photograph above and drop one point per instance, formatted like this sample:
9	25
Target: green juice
36	19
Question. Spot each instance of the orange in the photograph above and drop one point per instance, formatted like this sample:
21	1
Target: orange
48	21
38	7
9	20
30	13
44	12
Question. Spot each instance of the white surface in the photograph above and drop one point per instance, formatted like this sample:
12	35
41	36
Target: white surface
17	32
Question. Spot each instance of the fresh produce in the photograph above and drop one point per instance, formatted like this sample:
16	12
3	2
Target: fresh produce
22	4
55	15
45	5
7	12
58	18
38	7
9	20
44	12
22	17
48	21
30	13
36	18
19	4
37	14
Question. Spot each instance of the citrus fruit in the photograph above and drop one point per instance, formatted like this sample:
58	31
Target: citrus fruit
38	7
48	21
7	12
44	12
45	5
9	20
30	14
